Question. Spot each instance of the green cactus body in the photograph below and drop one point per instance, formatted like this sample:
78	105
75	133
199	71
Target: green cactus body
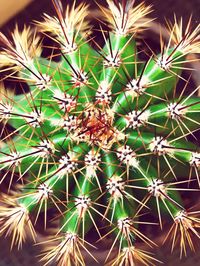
100	137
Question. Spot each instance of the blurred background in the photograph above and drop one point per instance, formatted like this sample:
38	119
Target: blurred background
22	12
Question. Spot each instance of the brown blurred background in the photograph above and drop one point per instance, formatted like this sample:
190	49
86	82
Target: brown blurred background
24	11
20	11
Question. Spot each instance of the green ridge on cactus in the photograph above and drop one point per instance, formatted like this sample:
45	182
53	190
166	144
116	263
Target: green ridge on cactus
100	142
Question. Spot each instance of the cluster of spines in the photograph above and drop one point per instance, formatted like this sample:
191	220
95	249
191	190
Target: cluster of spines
84	141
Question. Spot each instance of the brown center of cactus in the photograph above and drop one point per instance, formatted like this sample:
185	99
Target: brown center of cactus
96	127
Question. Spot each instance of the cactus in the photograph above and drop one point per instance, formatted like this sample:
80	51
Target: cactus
101	139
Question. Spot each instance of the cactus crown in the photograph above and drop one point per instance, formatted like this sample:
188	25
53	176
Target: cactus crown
101	137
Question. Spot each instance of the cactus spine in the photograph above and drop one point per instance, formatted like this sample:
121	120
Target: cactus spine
101	137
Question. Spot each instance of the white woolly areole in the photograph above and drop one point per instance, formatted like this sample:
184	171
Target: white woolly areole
43	82
13	159
119	135
67	163
195	159
16	158
183	219
82	203
175	110
5	110
92	160
68	244
65	101
115	186
69	123
159	146
69	48
79	78
113	60
45	148
137	87
44	192
127	156
35	119
157	188
164	63
103	93
136	119
124	225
